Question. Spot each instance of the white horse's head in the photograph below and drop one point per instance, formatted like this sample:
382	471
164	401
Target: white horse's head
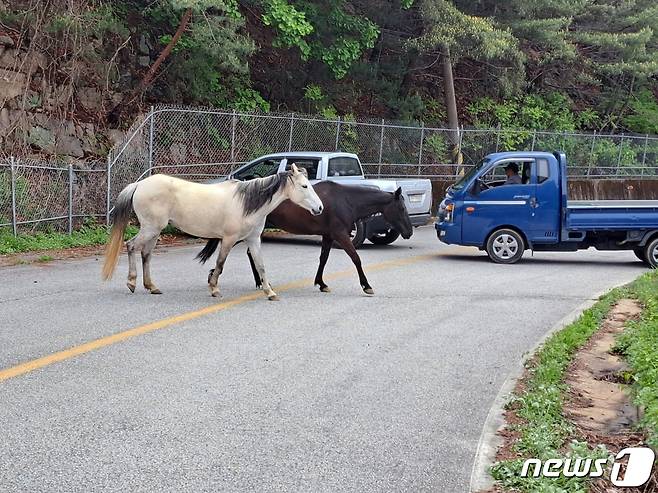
300	191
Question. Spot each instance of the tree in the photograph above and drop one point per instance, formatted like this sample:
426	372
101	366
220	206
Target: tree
599	51
449	34
206	47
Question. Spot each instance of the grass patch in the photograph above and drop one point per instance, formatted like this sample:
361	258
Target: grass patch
639	345
85	236
544	432
88	235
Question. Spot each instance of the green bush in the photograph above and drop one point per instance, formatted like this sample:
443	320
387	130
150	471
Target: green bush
644	114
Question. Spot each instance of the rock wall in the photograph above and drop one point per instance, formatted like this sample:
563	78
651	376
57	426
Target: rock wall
38	117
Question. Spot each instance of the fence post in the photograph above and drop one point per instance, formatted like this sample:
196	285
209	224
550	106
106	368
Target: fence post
381	150
109	185
337	133
151	131
70	198
621	146
497	137
292	122
13	194
233	125
534	138
644	153
591	154
420	150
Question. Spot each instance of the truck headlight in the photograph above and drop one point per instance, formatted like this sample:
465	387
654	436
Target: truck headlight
448	212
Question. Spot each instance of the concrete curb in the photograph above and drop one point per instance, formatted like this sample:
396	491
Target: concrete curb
490	441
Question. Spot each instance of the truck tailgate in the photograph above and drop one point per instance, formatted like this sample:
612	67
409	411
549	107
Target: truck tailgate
417	195
589	215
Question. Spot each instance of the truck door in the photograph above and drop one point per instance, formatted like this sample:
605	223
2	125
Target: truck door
498	204
545	203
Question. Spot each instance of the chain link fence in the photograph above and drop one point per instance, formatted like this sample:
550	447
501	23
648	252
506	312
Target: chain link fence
198	144
39	197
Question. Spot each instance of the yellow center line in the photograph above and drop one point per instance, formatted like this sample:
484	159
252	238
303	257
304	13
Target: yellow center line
35	364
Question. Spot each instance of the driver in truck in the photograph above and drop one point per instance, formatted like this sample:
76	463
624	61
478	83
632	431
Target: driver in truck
512	172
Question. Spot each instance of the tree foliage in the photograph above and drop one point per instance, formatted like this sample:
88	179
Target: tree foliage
564	64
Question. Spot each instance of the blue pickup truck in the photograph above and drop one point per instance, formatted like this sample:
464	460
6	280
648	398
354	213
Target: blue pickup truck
515	201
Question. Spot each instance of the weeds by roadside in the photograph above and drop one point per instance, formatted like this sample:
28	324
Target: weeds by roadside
88	235
542	431
85	236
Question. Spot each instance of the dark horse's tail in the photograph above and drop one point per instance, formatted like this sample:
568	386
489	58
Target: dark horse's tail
208	250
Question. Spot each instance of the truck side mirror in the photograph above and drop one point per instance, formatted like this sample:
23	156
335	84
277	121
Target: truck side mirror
477	187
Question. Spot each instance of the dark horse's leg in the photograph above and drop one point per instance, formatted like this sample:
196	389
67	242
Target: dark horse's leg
343	240
324	255
210	248
254	271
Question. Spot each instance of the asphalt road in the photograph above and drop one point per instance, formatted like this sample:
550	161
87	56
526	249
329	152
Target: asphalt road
316	392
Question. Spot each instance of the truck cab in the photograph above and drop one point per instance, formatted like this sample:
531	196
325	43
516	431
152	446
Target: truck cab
505	215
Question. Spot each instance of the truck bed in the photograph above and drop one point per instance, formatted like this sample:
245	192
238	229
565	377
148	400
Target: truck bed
592	215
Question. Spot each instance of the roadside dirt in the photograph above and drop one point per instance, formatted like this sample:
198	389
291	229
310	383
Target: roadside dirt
597	403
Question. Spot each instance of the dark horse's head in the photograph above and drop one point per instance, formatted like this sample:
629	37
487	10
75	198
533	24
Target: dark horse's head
397	216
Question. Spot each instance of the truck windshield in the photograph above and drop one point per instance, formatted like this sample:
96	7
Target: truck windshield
472	172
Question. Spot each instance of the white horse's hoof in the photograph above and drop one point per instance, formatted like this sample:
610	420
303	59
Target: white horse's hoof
131	287
273	297
156	291
325	289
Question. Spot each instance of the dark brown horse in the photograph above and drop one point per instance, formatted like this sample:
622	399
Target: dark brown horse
343	206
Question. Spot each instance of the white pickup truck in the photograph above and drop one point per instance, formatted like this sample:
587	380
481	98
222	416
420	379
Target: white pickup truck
345	168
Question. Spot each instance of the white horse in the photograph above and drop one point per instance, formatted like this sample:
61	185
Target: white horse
232	211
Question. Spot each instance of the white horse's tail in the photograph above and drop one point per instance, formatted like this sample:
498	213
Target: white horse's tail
120	218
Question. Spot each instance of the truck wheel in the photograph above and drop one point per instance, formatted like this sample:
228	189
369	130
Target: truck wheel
505	246
641	254
651	253
385	238
357	235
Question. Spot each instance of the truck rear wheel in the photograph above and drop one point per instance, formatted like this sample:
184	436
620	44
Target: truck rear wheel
357	235
505	246
651	253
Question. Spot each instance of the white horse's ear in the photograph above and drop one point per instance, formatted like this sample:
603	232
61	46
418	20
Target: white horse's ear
295	169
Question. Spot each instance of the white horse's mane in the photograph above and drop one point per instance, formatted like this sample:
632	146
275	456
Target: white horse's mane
258	192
